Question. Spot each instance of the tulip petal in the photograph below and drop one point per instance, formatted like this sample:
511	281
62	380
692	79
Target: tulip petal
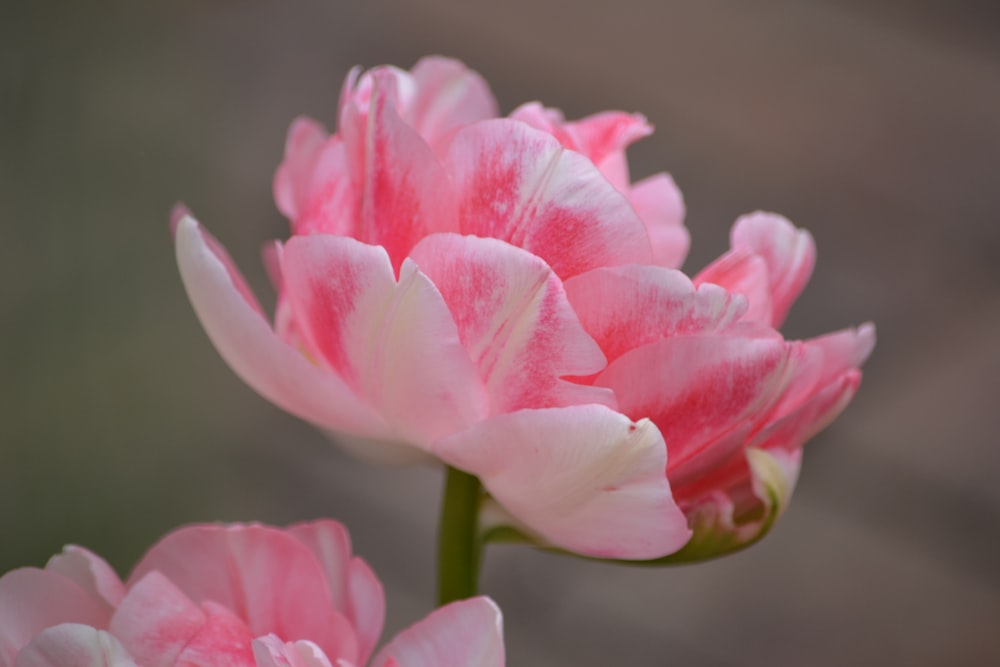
626	307
701	390
355	590
249	345
515	322
73	645
32	600
156	620
659	203
788	252
294	177
585	478
395	343
519	185
270	651
461	634
448	96
90	572
404	191
268	577
742	272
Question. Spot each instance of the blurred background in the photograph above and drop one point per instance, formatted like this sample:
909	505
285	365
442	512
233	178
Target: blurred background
874	124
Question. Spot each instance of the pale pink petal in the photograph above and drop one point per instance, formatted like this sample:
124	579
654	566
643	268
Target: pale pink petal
461	634
585	478
224	641
265	576
355	590
603	137
91	572
404	191
32	600
73	645
293	179
329	203
699	390
246	341
155	621
396	344
520	185
269	651
626	307
449	95
790	255
742	272
514	320
810	417
658	201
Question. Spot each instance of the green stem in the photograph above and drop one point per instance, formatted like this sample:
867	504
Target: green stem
459	546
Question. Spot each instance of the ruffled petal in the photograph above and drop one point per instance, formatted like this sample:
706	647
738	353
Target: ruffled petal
270	651
355	590
519	185
404	191
790	254
295	175
249	345
223	641
264	575
515	322
626	307
91	572
742	272
449	95
32	600
461	634
73	645
156	620
585	478
395	343
701	391
659	203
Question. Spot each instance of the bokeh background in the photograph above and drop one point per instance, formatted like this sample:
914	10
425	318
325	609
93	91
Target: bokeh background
874	124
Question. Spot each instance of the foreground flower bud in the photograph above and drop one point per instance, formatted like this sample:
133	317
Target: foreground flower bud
498	294
241	595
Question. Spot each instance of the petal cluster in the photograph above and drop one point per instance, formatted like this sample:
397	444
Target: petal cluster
239	595
498	294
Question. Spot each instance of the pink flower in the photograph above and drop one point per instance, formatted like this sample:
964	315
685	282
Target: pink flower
229	595
496	293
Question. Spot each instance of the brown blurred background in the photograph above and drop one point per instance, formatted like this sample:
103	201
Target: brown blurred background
874	124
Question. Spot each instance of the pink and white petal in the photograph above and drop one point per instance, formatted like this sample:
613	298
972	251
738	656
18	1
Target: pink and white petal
584	478
330	203
355	590
32	600
74	645
547	120
515	322
701	391
659	203
626	307
224	641
268	577
90	572
793	429
293	178
156	620
790	254
608	134
460	634
249	345
519	185
449	95
269	651
742	272
405	192
395	343
774	474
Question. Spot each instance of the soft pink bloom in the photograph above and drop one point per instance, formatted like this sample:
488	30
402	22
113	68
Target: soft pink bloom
241	595
497	293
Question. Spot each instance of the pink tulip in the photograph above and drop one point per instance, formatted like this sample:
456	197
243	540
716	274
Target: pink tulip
497	294
241	595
